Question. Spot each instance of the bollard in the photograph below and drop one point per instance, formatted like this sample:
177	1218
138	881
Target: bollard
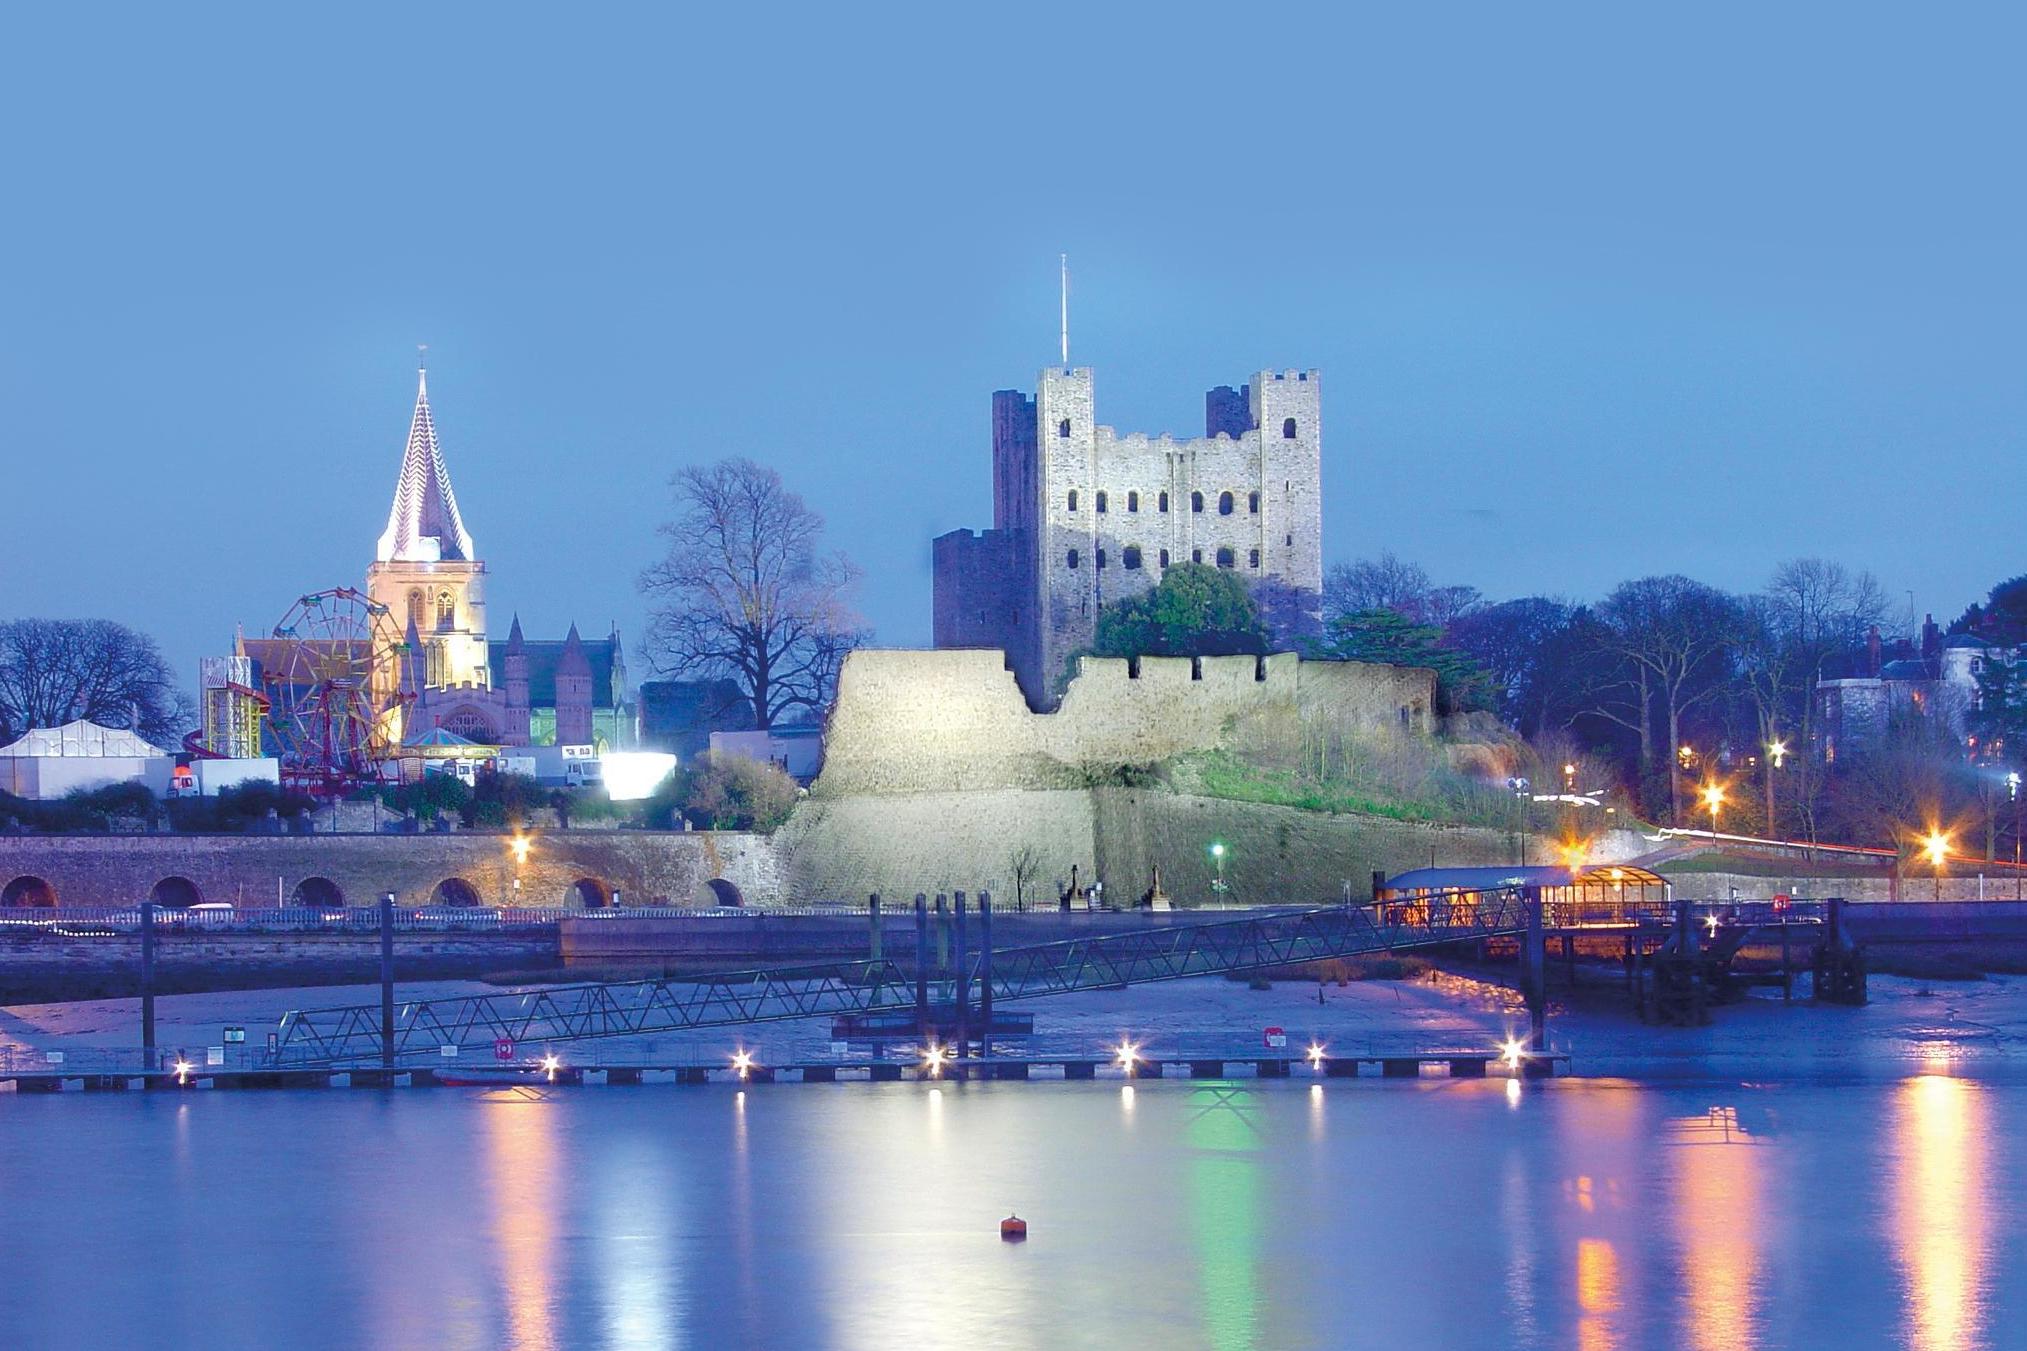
387	982
148	984
921	962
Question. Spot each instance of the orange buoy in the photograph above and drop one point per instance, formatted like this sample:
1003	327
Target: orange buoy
1013	1229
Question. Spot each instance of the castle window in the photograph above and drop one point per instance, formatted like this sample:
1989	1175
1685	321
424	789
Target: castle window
1288	429
1101	499
1133	501
1063	428
1253	558
416	615
1290	541
1196	555
1196	501
446	610
1253	503
1164	558
1073	558
1164	502
1224	558
1101	558
1224	504
1073	499
1132	558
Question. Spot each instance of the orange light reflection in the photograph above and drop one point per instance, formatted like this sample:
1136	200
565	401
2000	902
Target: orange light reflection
1940	1226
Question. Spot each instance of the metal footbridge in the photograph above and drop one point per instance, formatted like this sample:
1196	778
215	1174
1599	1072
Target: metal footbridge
385	1034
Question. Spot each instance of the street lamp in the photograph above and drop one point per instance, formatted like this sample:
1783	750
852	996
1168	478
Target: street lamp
1218	857
1520	789
1713	800
2013	796
1936	845
1777	752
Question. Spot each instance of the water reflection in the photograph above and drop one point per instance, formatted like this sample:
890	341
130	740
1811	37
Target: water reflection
1940	1224
1225	1211
518	1129
1719	1185
1597	1294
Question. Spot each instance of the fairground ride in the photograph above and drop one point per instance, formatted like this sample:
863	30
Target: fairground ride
332	688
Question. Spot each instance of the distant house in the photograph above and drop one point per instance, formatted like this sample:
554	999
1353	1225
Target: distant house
679	716
1861	698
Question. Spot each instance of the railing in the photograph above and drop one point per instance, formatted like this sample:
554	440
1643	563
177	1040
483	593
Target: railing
352	1034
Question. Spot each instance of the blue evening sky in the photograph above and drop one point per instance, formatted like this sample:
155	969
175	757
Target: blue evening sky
1596	291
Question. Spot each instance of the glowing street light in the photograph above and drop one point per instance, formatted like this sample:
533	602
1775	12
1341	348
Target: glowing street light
1218	857
1127	1054
1315	1054
1936	844
742	1062
550	1064
1777	751
519	844
1713	801
1511	1052
934	1058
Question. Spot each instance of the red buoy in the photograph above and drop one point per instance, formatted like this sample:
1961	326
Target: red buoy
1013	1229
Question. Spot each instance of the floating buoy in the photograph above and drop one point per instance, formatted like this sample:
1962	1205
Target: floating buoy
1013	1229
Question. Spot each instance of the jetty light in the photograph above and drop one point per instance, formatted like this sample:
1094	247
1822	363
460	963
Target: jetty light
934	1059
551	1063
1315	1054
1127	1054
1710	922
183	1068
1511	1051
742	1062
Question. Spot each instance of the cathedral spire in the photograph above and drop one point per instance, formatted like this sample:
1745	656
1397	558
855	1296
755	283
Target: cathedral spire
424	526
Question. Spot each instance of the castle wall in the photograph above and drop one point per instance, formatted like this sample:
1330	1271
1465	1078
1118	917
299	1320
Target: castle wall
908	722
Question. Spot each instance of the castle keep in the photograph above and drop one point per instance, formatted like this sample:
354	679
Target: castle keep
1084	515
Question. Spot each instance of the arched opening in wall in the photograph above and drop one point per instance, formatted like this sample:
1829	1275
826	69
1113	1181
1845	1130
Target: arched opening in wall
1133	667
446	610
1073	499
1224	504
1196	555
1063	429
1260	669
1224	558
27	891
1196	501
416	617
1163	505
1288	429
176	893
1072	558
1252	558
587	893
1099	505
724	893
1164	558
317	893
455	893
1253	502
1101	558
1196	668
1132	502
1132	558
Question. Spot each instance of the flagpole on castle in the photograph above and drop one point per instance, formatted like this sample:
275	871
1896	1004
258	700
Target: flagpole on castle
1065	261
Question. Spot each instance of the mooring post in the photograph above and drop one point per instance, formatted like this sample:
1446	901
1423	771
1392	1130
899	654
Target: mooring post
942	934
148	984
1534	968
1787	969
963	982
875	948
387	981
985	973
921	963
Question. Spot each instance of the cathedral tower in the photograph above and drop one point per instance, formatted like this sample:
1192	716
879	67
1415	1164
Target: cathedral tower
573	693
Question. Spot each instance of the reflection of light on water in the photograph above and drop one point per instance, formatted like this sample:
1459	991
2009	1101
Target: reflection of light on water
1513	1093
1939	1223
1126	1098
1597	1294
1718	1203
1316	1131
521	1158
1225	1205
634	1296
1523	1236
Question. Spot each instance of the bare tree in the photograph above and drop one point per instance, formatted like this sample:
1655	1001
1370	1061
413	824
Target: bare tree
54	671
1816	611
1025	862
746	593
1675	634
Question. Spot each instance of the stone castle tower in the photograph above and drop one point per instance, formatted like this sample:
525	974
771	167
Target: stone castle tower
516	672
1084	516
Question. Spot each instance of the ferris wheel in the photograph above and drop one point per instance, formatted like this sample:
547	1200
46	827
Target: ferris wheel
331	684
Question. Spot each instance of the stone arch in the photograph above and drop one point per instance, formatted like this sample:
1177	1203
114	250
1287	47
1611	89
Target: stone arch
317	893
1164	502
1073	499
1288	429
456	893
724	893
28	890
177	893
1196	501
1098	500
587	893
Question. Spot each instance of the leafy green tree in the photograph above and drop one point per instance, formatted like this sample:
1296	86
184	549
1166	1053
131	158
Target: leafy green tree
1390	638
2003	616
1196	610
737	792
1999	720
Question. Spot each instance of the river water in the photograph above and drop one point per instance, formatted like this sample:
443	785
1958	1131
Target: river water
1595	1214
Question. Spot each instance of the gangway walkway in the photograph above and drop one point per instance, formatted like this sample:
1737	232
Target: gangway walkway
362	1034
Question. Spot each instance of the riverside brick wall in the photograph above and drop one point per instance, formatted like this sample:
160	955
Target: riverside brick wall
668	868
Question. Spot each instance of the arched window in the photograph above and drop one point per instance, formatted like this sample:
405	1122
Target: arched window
1073	499
1101	558
1196	555
1132	558
1101	499
1063	428
1164	502
1288	429
1073	558
416	615
446	610
1133	501
1196	501
1224	558
1224	504
1253	503
1253	558
1164	558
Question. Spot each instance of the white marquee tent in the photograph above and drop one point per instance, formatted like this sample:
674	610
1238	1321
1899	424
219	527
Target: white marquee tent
49	762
